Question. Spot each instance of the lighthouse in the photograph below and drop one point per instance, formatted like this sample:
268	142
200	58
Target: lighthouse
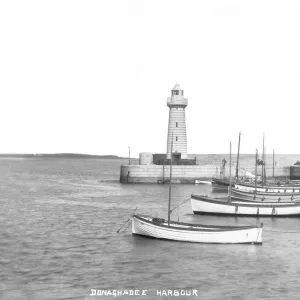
177	127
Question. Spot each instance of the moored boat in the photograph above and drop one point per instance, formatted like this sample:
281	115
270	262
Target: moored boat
263	196
186	232
264	192
214	206
268	188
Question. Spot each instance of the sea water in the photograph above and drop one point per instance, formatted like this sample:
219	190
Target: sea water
58	239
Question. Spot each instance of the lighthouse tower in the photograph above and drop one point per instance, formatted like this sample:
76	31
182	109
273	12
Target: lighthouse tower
177	104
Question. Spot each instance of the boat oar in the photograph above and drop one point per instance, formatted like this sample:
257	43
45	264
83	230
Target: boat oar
127	220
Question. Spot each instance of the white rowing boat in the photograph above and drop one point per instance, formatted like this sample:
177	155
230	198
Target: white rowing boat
186	232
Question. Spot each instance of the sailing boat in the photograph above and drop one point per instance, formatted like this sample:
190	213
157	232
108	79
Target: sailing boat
186	232
237	206
268	192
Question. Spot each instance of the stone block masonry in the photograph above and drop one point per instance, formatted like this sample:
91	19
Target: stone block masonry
180	174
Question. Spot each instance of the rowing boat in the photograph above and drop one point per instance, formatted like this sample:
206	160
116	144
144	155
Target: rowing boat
187	232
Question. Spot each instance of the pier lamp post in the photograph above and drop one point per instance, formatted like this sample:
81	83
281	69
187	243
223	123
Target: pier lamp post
129	155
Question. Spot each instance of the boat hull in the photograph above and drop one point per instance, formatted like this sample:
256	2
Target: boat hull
188	233
223	182
283	189
263	196
205	205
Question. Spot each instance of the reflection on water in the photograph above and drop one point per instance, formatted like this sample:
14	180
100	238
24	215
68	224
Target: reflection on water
59	239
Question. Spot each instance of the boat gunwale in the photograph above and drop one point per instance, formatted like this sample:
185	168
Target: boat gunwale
245	204
218	228
199	212
269	194
269	186
266	201
193	242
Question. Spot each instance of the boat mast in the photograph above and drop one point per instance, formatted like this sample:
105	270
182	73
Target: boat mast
230	173
273	165
256	157
263	161
237	160
265	173
170	183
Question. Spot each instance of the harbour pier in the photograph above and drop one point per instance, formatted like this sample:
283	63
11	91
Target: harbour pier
187	168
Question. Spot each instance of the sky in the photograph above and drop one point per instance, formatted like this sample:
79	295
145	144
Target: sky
93	76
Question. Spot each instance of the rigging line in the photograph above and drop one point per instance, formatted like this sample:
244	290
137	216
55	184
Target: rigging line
123	225
127	220
180	204
127	226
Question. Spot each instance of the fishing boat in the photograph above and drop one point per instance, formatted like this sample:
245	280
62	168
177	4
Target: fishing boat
206	205
239	194
246	191
186	232
268	188
237	206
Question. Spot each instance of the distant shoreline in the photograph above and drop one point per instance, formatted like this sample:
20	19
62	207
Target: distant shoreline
61	155
211	158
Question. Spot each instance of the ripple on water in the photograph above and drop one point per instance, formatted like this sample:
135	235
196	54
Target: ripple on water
60	240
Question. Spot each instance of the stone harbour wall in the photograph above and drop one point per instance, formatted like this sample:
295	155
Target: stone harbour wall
185	174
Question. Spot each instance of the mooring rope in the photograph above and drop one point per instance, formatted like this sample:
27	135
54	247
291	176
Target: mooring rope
127	227
127	220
